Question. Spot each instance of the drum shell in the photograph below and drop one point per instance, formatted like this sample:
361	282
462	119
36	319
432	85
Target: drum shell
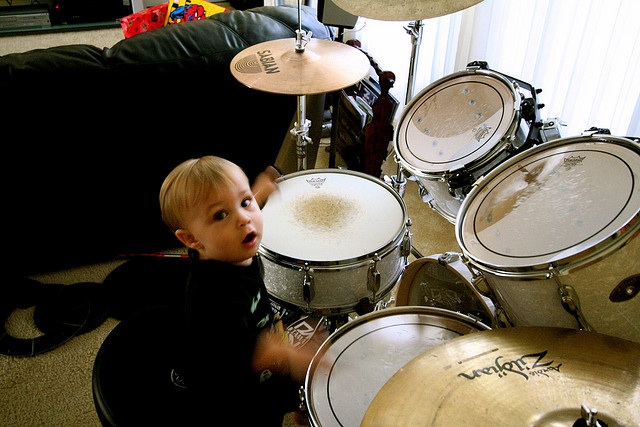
303	270
337	288
526	288
531	302
437	162
359	357
444	281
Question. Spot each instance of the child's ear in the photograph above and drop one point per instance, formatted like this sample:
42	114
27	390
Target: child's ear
187	239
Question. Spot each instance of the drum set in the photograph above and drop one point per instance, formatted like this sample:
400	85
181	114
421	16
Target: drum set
533	320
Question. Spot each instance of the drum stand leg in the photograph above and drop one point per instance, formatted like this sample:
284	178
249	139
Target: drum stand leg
334	321
300	131
398	183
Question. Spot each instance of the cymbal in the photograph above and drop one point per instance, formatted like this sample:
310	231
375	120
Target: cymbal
403	10
324	66
526	376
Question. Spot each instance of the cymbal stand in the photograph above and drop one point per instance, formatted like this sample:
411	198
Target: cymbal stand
300	131
415	31
301	128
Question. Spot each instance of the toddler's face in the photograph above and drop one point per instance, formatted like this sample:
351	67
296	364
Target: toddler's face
228	224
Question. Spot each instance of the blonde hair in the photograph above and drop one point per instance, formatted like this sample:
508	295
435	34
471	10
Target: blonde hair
189	183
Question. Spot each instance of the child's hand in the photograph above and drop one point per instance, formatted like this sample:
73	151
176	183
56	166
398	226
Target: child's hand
265	184
273	352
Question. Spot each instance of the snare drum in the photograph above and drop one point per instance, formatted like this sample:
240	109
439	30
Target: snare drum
455	130
332	239
356	360
442	280
554	231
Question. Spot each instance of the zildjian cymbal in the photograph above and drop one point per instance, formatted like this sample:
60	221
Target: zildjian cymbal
403	10
322	66
524	376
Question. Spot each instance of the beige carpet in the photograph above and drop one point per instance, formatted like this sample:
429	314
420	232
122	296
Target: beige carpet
54	388
100	38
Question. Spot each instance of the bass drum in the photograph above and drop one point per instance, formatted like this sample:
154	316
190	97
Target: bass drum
357	359
458	128
333	240
443	281
554	231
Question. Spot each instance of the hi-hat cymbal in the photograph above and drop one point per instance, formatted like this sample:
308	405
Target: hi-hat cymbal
403	10
524	376
324	66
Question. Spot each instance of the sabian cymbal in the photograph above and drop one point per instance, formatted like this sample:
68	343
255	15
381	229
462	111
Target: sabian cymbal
524	376
324	66
403	10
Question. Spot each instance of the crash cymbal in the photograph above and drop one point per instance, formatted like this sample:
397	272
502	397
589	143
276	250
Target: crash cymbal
403	10
323	66
525	376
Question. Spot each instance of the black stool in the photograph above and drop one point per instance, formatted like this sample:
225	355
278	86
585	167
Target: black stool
135	376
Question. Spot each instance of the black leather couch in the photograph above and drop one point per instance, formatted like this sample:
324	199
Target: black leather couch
90	133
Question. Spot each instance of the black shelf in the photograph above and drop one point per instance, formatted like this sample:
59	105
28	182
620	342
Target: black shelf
77	16
59	28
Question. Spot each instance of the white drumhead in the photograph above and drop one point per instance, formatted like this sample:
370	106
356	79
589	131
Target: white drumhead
353	364
331	215
455	121
563	200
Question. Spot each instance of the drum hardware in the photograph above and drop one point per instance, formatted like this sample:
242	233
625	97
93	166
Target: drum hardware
626	289
551	129
585	244
415	30
373	277
589	417
398	182
319	251
407	10
571	303
443	281
312	66
593	130
301	131
498	118
307	286
515	376
356	360
406	247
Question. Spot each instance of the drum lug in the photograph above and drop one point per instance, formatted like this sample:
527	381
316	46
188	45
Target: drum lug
448	258
425	196
405	246
478	280
308	291
373	277
571	303
502	320
302	407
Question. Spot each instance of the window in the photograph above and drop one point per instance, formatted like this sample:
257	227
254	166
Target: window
583	54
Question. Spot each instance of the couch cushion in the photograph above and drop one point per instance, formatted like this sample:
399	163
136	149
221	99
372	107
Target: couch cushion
90	133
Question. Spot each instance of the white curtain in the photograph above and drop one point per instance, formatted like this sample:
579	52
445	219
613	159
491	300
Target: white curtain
583	54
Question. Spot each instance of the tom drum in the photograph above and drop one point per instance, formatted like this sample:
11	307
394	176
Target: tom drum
444	281
458	128
554	230
353	364
332	239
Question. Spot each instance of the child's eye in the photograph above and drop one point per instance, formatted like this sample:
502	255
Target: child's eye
246	202
220	215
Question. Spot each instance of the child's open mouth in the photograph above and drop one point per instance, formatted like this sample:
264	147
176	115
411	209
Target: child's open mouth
250	238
